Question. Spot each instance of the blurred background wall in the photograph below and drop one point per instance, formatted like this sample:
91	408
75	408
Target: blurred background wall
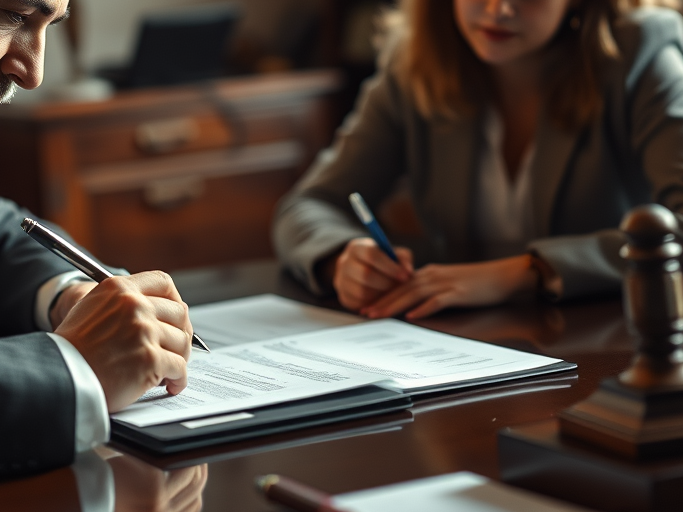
272	35
174	176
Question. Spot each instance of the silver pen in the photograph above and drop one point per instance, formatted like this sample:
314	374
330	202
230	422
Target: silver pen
91	268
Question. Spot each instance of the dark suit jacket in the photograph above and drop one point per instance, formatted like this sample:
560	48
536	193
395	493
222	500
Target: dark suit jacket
37	400
583	182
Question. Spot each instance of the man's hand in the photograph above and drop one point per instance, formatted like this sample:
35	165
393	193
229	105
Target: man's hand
68	299
135	333
435	287
363	272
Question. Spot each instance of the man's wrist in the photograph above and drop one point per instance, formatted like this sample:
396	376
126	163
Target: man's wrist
67	298
47	294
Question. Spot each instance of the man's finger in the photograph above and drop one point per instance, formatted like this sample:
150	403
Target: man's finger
174	370
155	283
174	340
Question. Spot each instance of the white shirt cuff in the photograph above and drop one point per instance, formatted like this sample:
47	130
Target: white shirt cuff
92	417
47	293
95	483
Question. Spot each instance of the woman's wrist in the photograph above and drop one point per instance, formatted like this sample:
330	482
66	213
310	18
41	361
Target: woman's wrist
549	283
324	271
528	277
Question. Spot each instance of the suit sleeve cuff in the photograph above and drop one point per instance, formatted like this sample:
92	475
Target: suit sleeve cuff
92	417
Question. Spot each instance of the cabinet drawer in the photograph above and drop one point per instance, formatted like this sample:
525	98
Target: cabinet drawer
115	140
102	143
224	219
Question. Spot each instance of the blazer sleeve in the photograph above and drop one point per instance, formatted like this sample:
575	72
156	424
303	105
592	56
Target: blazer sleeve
37	406
315	220
24	267
644	120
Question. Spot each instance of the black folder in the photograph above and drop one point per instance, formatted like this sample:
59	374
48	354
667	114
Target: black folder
334	407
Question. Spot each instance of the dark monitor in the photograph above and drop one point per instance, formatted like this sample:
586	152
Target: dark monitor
179	46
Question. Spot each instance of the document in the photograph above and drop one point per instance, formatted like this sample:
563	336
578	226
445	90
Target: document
449	493
262	317
238	379
389	353
410	358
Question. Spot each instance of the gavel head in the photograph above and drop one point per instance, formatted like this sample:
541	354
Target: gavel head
651	231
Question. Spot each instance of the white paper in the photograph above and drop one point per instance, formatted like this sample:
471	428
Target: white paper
237	379
261	317
411	357
390	353
461	491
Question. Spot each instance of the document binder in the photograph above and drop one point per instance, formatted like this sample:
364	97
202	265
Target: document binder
321	410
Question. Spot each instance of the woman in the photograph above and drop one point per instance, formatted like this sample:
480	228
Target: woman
525	130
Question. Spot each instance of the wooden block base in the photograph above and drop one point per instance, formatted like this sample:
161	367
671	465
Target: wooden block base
637	423
538	458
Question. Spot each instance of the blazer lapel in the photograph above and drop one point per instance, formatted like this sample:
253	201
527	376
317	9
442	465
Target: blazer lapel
554	149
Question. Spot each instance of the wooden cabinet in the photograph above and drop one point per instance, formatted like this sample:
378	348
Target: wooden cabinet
169	178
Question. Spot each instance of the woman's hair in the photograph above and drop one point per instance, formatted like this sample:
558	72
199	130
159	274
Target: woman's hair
435	57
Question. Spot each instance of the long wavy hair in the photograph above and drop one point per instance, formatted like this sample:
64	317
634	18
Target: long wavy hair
435	59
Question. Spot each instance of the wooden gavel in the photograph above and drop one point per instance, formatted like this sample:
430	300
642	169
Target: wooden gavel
640	412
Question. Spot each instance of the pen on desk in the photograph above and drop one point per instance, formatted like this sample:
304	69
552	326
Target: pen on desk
295	495
368	219
78	259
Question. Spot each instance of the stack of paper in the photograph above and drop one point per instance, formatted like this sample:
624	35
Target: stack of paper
309	361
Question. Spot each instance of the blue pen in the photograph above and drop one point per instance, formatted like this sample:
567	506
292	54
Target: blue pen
369	221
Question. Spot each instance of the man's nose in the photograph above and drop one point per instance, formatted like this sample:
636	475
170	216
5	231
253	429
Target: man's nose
24	60
501	8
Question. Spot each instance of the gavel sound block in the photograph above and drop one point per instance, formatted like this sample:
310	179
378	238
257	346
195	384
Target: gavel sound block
621	449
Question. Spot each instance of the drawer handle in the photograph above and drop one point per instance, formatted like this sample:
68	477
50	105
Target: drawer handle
172	193
165	136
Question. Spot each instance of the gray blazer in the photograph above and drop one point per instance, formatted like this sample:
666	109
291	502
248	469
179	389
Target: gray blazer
583	182
37	400
37	395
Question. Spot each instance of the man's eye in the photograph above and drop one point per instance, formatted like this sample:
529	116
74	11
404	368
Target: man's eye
15	17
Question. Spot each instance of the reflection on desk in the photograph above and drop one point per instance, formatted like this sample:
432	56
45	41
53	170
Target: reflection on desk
108	481
450	433
391	422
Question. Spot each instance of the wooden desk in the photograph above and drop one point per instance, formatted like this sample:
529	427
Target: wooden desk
169	178
446	433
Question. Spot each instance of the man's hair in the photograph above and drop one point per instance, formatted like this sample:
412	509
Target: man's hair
434	60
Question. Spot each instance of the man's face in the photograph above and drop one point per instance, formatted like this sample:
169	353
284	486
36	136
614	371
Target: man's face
22	41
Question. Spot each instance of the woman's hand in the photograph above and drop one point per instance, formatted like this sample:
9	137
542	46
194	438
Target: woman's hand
435	287
363	272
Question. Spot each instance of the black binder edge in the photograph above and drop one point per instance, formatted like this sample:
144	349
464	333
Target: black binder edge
171	438
560	366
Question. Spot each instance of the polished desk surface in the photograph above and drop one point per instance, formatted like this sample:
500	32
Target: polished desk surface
439	434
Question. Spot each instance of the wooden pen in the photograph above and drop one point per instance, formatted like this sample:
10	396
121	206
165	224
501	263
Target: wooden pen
300	497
